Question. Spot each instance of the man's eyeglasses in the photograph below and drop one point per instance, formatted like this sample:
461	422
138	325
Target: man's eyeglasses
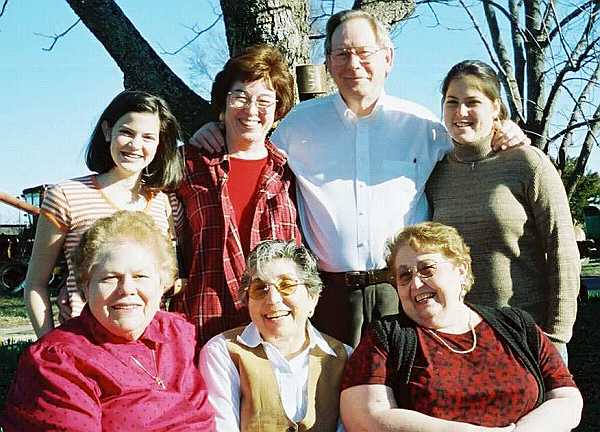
259	289
341	56
240	99
424	269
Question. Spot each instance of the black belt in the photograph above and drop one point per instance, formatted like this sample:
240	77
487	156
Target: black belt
355	279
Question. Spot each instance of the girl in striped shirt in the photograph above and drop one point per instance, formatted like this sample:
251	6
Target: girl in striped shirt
133	151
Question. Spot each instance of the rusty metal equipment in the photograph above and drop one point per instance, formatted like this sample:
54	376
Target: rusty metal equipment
16	243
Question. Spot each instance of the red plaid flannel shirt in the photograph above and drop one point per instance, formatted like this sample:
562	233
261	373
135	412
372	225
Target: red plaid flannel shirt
211	240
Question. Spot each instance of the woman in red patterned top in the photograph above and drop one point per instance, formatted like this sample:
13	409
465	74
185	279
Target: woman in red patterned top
445	365
239	196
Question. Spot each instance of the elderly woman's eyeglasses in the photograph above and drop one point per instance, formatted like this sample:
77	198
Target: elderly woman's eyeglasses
259	289
423	269
240	99
342	56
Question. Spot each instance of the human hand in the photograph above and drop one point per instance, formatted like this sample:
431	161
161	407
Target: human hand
209	137
508	134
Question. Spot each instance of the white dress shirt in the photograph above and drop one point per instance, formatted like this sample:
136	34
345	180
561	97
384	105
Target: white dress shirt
360	179
223	380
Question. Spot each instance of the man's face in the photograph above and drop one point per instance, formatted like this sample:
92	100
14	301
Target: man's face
360	81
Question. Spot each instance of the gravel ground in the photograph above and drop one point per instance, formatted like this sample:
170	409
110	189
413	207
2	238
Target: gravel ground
584	362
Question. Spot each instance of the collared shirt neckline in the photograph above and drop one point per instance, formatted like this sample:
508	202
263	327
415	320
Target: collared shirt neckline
348	116
252	338
279	159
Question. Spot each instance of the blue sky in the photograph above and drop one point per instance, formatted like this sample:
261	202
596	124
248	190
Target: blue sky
51	100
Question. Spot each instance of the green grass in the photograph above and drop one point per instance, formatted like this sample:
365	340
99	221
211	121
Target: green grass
13	312
592	268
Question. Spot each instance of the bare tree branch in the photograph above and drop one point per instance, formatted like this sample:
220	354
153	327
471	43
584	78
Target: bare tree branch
570	17
3	7
588	122
518	48
576	113
56	37
559	80
515	101
198	34
584	154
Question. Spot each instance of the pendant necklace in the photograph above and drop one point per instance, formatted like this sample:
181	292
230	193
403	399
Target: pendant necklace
454	350
158	380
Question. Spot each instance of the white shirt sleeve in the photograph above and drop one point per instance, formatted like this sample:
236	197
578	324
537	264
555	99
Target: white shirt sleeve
222	382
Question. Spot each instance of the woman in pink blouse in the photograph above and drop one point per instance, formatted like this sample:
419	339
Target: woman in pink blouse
122	364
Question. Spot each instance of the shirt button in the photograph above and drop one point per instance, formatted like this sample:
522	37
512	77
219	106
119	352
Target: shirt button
292	429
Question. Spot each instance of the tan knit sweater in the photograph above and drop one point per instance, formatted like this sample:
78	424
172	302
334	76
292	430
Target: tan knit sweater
512	210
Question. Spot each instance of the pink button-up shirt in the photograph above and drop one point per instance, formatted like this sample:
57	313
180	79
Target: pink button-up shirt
80	377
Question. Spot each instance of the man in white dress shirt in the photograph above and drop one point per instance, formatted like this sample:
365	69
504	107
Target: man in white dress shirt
361	158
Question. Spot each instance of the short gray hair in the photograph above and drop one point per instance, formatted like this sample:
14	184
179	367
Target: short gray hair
270	250
382	35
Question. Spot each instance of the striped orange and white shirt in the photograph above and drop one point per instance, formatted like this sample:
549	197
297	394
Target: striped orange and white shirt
74	205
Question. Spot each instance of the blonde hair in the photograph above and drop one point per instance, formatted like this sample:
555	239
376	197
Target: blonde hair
136	227
433	237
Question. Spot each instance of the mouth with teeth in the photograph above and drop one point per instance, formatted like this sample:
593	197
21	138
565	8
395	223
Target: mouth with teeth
462	124
250	123
131	156
273	316
423	297
125	307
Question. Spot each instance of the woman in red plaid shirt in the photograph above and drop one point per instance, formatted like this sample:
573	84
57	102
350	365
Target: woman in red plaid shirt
237	197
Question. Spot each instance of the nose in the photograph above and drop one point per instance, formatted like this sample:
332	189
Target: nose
273	295
354	60
251	107
127	285
463	109
416	280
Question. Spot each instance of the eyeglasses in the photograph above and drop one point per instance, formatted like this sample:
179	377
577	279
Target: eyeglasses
424	269
365	55
240	99
259	289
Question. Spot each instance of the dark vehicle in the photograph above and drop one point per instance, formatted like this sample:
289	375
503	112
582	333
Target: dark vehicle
16	244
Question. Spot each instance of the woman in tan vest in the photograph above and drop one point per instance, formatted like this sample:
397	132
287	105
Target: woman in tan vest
278	373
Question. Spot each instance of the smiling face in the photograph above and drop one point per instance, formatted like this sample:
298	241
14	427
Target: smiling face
124	288
360	83
248	126
468	113
133	140
281	320
434	302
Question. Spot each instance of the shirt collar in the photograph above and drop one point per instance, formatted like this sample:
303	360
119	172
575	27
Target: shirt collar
252	338
151	336
348	115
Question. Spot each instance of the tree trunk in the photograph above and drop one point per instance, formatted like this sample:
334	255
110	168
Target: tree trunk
536	43
283	23
142	68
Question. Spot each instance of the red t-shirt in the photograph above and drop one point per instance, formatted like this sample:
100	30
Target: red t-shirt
488	387
244	177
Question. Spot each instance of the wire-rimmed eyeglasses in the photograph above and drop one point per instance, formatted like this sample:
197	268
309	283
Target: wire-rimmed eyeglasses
239	99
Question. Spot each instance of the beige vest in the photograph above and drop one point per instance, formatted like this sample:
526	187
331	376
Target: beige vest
261	408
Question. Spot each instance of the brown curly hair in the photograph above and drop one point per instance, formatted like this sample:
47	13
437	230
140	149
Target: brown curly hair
254	63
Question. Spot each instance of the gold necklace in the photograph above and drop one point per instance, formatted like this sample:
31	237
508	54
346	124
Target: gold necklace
443	342
158	380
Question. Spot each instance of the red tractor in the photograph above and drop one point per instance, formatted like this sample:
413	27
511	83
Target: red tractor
16	243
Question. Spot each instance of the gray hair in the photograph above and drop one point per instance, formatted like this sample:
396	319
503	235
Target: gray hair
269	250
382	35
